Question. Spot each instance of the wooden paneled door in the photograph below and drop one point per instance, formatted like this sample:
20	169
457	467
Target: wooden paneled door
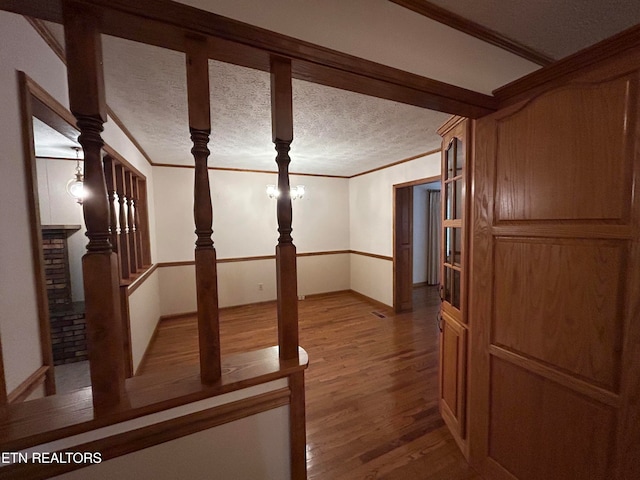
452	320
554	302
403	249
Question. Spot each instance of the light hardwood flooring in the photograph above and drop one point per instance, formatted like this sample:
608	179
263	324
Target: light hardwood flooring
371	385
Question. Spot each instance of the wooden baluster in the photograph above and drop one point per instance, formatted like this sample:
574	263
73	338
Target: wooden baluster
123	230
131	222
286	274
110	179
99	264
143	215
136	220
205	254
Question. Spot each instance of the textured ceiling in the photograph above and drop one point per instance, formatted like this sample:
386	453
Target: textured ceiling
554	28
335	132
338	132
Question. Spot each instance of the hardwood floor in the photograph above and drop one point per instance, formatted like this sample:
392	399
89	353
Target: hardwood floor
371	385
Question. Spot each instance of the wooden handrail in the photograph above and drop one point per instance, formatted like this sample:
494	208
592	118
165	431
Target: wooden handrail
44	420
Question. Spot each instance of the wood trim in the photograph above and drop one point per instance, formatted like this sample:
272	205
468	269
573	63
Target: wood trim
37	252
578	230
420	284
145	437
476	30
175	316
372	255
377	303
248	170
266	257
140	279
297	425
569	67
123	161
26	388
246	259
316	254
3	386
185	263
27	424
566	380
420	181
415	157
152	340
128	134
47	36
164	23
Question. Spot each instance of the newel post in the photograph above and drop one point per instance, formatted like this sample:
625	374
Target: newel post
205	253
99	264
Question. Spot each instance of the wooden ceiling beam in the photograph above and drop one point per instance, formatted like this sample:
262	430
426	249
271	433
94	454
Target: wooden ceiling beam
476	30
164	23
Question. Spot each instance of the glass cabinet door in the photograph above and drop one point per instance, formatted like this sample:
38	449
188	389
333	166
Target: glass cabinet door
453	211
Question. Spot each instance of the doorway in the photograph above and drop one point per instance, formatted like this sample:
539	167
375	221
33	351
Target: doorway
416	239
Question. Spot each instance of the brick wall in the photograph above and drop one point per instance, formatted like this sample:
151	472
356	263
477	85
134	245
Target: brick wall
56	268
69	335
67	322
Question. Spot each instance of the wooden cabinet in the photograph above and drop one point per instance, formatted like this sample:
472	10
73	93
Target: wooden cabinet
453	323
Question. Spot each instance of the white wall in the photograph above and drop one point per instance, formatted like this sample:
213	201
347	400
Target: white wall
19	318
144	312
254	447
371	221
245	225
23	49
58	208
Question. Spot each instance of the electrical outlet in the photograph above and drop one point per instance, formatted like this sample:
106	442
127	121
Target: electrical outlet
260	286
300	297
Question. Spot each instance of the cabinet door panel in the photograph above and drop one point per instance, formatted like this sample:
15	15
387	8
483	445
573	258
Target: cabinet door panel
453	344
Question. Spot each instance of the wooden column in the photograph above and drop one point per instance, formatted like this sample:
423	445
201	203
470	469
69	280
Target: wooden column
99	264
123	231
205	253
286	275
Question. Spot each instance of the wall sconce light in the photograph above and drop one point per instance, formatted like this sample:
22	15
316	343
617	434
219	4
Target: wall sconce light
75	186
296	192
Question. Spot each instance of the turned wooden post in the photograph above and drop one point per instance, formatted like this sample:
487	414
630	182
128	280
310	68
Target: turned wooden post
131	221
99	264
123	230
110	179
286	275
205	253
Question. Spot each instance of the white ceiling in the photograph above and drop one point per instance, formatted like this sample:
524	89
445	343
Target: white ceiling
51	143
338	132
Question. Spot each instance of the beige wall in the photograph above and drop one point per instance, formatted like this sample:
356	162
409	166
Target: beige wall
371	223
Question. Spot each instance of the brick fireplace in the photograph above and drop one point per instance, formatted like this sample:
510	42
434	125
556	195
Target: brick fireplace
67	320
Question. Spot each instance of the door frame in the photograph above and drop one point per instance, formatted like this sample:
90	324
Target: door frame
399	272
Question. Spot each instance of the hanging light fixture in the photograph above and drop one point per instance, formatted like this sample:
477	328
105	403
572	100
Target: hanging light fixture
296	192
75	186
